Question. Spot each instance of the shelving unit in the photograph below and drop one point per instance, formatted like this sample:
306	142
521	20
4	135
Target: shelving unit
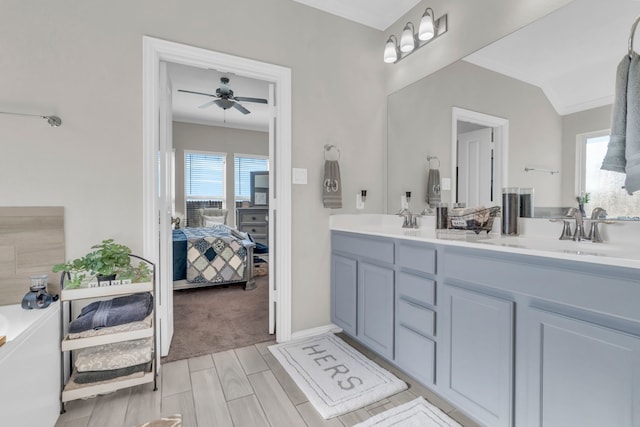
72	390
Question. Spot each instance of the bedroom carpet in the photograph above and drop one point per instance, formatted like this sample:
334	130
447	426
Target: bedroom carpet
210	320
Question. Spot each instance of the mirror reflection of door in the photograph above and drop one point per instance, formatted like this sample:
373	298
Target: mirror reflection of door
475	164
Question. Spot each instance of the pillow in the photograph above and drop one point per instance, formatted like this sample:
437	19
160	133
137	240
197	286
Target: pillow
212	221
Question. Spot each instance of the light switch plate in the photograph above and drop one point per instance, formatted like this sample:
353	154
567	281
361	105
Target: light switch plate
446	184
299	176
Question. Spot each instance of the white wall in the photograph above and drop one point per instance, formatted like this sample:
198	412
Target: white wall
189	136
83	61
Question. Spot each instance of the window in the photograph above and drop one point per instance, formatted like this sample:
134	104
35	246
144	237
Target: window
244	165
605	188
204	175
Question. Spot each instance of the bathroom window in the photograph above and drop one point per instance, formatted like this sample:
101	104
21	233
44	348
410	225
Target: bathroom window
605	188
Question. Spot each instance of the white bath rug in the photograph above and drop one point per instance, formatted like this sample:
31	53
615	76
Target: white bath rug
335	377
417	413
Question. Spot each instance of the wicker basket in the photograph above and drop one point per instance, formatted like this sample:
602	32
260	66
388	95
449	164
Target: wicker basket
477	221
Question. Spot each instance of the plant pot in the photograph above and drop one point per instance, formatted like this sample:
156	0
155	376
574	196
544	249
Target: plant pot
108	278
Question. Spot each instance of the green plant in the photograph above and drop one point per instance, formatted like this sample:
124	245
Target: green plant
106	259
583	198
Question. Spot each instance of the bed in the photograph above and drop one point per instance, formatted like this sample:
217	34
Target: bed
212	256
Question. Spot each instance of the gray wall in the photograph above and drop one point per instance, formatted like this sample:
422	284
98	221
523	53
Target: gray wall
419	124
83	61
572	125
189	136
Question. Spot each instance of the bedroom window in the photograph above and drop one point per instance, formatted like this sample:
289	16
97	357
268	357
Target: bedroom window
204	175
605	188
244	165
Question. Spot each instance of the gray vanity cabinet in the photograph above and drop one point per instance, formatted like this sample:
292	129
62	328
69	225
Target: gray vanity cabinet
362	289
581	373
477	364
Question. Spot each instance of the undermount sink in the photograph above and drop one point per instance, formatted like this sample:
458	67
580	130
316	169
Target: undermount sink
583	247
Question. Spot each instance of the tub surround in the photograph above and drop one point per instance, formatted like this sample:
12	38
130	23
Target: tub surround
513	331
30	366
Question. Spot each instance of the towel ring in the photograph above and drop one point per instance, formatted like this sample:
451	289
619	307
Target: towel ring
329	147
631	36
429	158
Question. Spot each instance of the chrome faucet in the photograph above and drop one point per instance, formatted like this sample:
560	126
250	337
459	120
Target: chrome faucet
596	215
410	219
578	234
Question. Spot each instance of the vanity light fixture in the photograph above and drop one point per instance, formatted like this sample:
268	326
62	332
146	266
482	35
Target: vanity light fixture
429	29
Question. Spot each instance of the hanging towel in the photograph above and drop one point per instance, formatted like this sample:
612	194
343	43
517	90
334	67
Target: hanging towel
632	147
615	159
433	187
332	186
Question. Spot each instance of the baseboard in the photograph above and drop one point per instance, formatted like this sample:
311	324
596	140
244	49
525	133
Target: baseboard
315	331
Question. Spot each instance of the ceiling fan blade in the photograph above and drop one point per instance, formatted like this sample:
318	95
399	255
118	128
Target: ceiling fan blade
240	108
208	104
244	99
197	93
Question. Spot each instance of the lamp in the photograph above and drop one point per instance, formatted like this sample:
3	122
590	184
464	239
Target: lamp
391	53
429	29
407	40
426	30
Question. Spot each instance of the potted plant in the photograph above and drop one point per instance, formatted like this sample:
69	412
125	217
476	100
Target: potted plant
107	260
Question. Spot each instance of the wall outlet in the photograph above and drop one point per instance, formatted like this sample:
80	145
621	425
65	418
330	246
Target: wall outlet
446	184
299	176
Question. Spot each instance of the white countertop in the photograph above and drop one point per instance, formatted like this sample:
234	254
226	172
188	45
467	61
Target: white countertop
539	238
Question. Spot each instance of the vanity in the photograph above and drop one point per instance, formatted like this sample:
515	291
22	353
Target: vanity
513	331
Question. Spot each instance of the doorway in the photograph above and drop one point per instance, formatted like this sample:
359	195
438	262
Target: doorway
157	215
479	145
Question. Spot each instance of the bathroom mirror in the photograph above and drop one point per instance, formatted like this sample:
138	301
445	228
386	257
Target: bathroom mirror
544	99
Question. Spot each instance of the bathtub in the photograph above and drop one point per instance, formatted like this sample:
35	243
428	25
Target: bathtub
30	366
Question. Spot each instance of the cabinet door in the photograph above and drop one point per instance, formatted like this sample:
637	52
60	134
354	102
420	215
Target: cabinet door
343	293
580	373
475	354
375	308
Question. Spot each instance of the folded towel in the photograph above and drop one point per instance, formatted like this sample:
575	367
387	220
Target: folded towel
116	355
632	147
433	187
113	312
332	186
96	376
615	159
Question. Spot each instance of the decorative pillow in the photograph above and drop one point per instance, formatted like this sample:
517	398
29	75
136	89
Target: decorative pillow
212	221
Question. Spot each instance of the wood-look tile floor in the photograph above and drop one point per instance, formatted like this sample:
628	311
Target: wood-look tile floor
244	387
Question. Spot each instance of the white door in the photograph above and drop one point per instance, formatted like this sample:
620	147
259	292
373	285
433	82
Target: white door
475	168
271	219
165	208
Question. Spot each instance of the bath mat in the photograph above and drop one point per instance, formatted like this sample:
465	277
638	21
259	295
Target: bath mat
417	413
168	421
334	376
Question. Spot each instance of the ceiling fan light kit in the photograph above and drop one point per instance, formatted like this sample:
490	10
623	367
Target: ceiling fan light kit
225	99
429	29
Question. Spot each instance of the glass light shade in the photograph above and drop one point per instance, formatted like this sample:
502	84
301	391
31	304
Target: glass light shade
390	52
426	31
407	41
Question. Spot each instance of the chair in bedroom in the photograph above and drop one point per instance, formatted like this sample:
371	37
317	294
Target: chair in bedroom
208	217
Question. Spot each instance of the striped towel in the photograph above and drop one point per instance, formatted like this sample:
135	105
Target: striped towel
332	186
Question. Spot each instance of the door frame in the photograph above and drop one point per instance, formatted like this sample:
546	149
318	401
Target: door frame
156	50
501	142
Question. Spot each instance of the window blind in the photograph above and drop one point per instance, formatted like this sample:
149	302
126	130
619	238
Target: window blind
204	175
244	165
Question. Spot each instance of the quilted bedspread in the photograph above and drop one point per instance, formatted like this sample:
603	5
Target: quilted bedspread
214	255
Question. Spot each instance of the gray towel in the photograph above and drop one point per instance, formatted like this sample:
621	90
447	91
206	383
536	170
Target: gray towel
332	186
615	159
632	147
433	187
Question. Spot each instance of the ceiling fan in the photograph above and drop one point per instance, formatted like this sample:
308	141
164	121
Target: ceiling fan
225	98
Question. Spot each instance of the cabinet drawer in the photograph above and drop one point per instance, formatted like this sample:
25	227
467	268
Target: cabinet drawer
416	288
366	247
259	216
417	257
416	317
257	229
415	354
